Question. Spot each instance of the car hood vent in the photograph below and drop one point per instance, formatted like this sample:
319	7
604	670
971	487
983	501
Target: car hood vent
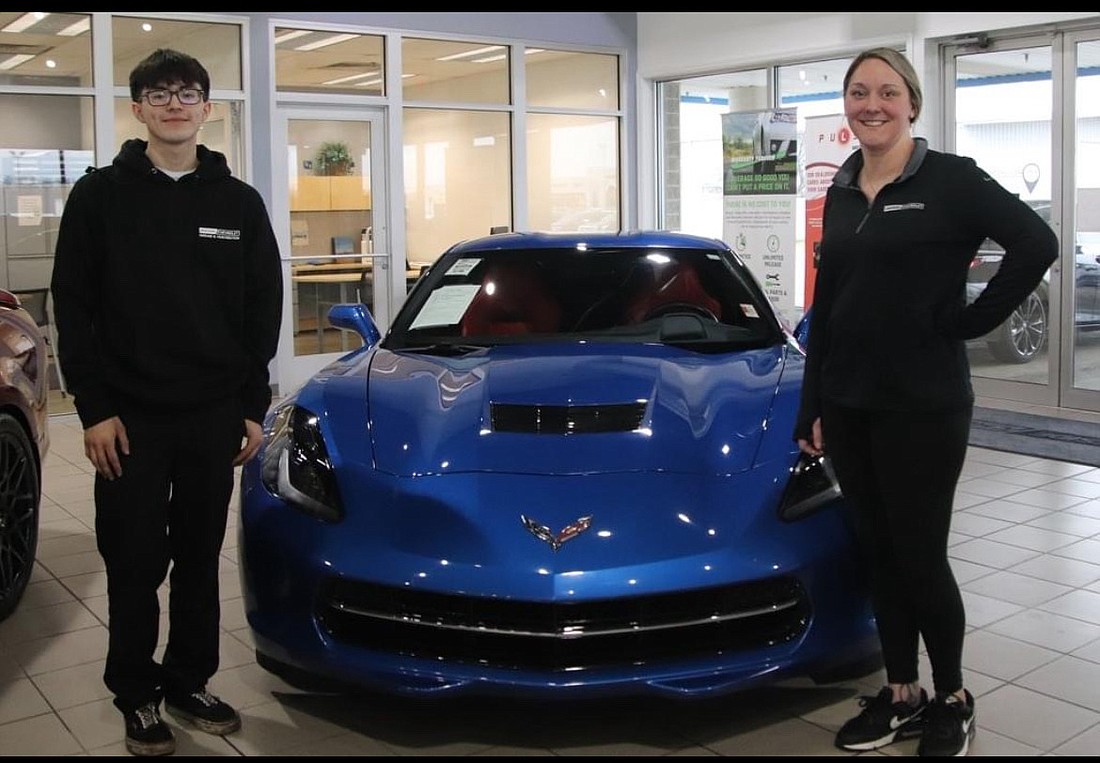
567	419
567	408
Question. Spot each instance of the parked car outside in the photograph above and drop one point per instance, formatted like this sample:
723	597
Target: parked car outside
24	442
590	220
566	470
1024	334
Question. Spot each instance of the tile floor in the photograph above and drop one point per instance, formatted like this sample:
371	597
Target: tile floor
1025	546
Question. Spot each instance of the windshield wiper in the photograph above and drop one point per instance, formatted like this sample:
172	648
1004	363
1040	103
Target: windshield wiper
444	348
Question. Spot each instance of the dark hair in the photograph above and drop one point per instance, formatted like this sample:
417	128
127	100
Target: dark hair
165	67
897	61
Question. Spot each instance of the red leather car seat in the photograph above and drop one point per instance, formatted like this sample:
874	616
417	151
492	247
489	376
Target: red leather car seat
677	282
512	300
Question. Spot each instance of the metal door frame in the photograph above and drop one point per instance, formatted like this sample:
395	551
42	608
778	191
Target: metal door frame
1058	390
290	369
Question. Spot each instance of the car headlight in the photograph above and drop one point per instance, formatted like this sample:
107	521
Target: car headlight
812	484
296	465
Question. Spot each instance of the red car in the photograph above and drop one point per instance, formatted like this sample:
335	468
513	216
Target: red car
24	441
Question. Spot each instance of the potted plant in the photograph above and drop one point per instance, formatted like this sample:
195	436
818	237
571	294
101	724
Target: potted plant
333	159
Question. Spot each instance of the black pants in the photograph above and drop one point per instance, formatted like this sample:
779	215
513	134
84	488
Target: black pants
169	506
899	471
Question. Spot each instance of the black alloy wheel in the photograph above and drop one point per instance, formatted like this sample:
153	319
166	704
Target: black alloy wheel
19	503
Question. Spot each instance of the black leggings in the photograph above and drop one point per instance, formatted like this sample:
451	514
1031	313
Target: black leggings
898	471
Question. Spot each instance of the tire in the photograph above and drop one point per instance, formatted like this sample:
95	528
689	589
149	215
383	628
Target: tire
1023	334
20	493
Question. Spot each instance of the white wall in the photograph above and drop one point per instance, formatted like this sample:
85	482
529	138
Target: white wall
672	45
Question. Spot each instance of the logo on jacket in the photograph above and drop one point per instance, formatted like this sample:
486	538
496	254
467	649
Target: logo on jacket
902	207
223	234
543	533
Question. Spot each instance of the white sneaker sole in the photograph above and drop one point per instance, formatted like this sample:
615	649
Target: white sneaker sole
210	727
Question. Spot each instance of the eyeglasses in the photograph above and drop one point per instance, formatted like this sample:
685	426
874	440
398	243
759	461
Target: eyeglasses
187	96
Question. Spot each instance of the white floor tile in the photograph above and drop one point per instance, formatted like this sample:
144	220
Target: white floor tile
1068	678
41	735
1032	718
1050	631
1086	743
1025	548
65	650
20	699
1018	589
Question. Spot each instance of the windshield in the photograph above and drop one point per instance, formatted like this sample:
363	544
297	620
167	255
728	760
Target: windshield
702	299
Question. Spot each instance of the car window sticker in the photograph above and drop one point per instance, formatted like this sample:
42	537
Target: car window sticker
462	267
446	305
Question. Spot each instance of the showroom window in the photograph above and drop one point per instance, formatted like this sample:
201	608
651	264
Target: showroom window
458	159
217	46
464	105
310	61
45	49
690	114
46	136
446	71
573	139
692	193
457	177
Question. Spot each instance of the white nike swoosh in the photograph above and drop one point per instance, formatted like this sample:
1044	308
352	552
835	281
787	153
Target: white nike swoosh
896	722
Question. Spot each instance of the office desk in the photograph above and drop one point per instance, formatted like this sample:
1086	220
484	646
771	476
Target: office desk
345	275
352	272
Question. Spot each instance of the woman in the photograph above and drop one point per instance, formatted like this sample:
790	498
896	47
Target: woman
887	392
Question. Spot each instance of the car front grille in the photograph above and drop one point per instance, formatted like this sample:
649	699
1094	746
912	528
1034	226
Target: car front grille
566	419
559	636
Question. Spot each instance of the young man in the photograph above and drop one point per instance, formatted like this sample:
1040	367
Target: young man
167	293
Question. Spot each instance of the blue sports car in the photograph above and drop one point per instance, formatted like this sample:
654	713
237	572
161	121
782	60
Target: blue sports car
566	470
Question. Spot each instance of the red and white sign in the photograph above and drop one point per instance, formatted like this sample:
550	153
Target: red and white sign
829	142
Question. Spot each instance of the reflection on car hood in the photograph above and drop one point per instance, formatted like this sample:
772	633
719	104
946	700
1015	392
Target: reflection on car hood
695	414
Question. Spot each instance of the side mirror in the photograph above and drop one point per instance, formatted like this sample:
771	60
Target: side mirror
354	316
802	329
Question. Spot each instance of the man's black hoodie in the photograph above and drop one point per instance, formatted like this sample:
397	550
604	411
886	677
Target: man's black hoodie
167	294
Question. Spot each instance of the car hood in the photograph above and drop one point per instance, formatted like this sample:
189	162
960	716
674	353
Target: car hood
695	413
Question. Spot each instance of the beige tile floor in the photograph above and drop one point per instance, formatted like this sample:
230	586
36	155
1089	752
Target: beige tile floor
1025	547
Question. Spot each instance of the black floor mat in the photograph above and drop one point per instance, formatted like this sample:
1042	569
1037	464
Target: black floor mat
1033	435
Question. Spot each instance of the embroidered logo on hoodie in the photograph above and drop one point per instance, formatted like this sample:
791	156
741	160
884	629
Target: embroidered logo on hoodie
224	234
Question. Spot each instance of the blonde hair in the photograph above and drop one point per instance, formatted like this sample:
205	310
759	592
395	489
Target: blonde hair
897	61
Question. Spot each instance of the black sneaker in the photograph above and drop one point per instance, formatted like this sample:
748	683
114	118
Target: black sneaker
147	733
882	722
949	726
206	711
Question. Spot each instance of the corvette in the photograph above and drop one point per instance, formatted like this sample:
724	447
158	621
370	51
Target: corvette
566	470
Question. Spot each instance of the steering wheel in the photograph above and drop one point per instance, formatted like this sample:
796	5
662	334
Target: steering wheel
680	307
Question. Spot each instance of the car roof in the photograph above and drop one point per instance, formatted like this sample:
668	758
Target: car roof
594	240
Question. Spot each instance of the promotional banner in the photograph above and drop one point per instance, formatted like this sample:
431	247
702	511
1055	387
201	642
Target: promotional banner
760	181
829	141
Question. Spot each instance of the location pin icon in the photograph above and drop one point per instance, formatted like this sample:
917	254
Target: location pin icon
1030	173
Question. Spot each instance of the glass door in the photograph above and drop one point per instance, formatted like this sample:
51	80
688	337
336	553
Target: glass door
1028	111
1002	107
1081	351
333	233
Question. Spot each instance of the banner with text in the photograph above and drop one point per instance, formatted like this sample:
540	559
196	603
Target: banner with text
829	141
760	181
